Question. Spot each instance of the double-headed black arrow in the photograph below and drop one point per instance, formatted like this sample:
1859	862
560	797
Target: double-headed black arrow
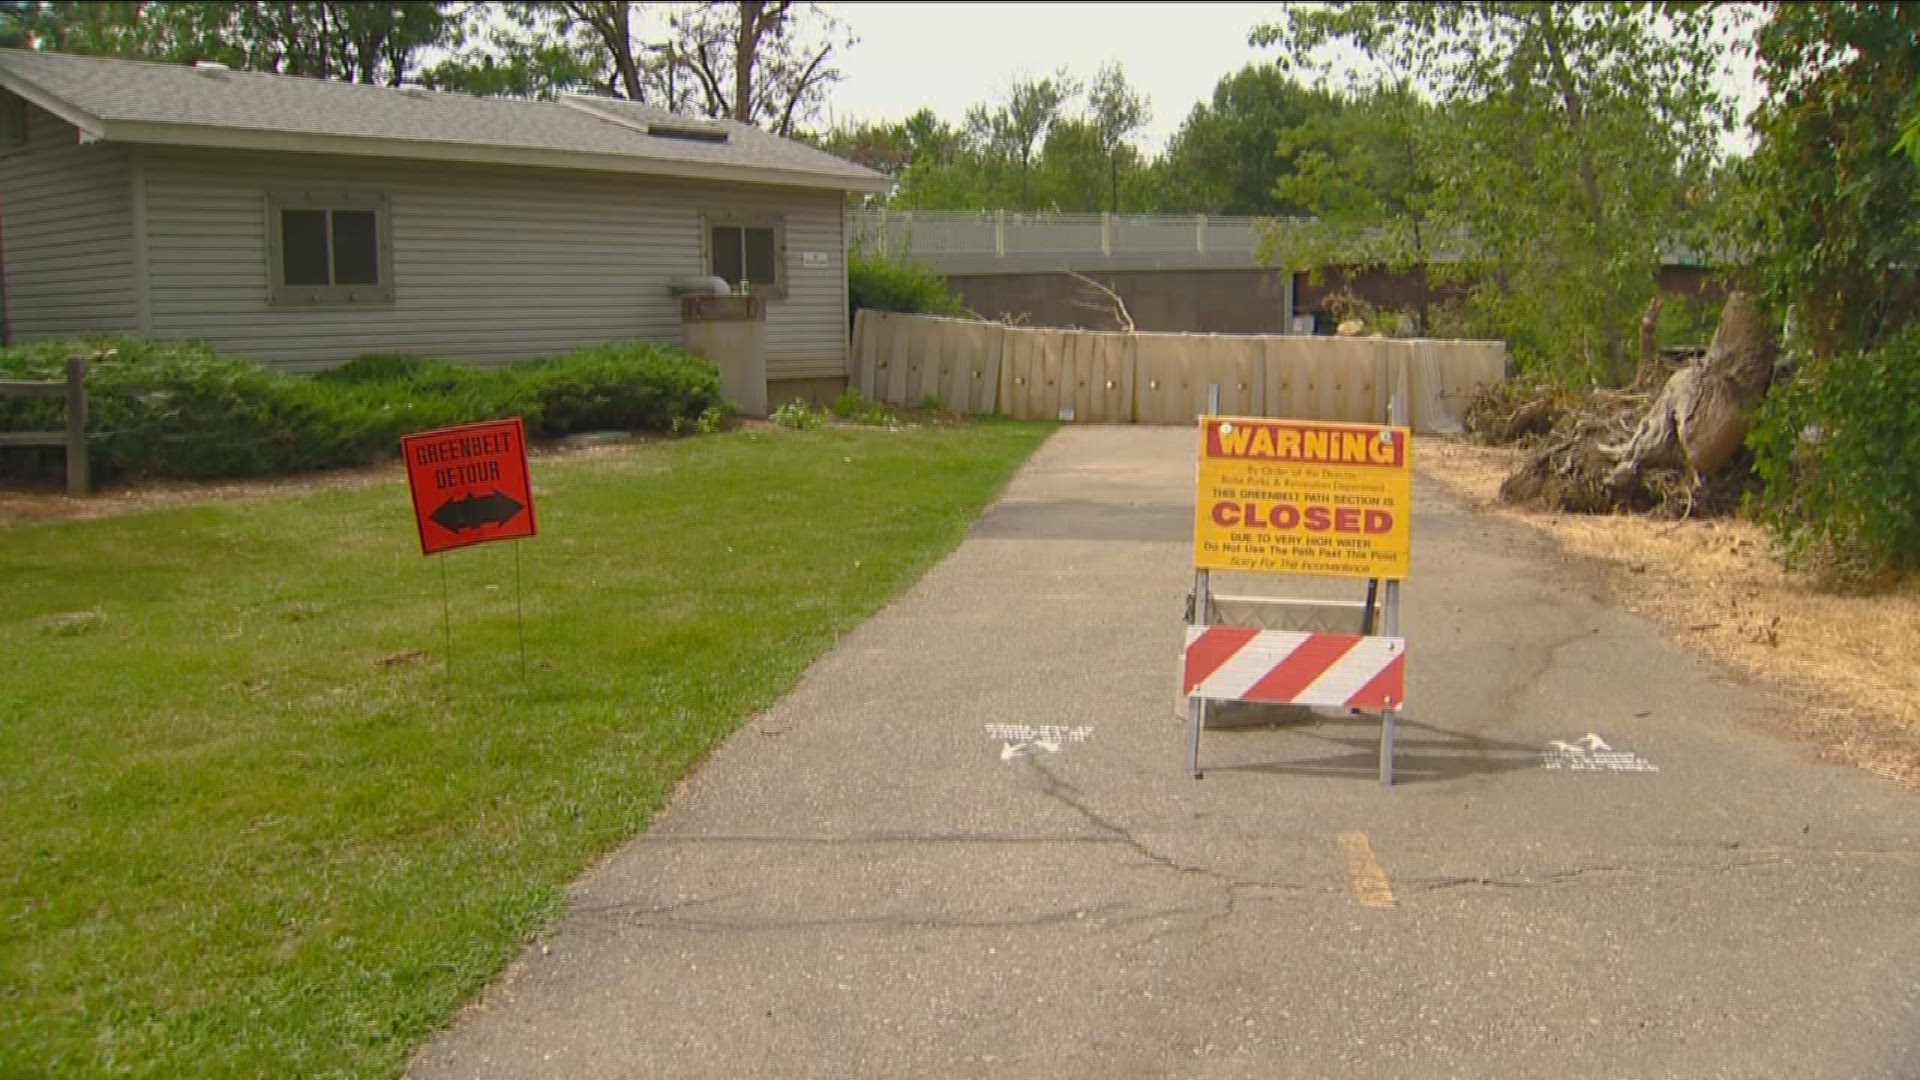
473	511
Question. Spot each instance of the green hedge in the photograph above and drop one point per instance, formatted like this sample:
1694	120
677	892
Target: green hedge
887	285
1838	452
180	410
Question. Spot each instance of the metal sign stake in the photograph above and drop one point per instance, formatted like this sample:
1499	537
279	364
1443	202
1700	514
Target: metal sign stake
446	617
519	618
1390	615
1198	616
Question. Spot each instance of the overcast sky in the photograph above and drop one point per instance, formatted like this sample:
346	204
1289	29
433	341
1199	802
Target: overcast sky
947	56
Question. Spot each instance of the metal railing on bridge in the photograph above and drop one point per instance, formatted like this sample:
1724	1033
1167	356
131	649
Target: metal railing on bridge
1011	242
1002	241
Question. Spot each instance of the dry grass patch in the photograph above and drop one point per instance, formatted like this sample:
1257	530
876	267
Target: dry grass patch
1852	660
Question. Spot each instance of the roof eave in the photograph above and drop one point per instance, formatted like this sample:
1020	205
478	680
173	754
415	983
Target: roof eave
161	133
89	125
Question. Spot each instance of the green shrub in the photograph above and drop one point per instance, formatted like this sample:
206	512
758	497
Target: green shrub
853	408
796	414
718	417
1838	453
180	410
631	386
884	284
1686	322
387	368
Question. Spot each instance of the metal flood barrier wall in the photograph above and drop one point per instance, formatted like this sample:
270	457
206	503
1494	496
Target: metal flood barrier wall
1099	377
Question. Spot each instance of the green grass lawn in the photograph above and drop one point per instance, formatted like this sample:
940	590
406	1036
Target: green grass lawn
234	842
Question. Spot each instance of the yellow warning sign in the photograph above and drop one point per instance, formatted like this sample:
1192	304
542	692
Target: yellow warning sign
1295	497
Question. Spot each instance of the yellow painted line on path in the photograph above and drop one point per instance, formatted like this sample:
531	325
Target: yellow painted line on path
1370	885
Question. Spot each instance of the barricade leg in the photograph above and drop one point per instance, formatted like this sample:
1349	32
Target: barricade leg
1386	747
1196	719
1390	616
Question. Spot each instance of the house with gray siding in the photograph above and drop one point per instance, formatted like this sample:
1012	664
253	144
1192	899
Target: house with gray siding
305	222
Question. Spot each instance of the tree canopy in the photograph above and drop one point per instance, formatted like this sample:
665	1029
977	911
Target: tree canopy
1573	133
331	39
1831	202
1226	156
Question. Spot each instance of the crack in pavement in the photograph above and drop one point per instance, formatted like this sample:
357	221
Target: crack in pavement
871	838
1062	792
1561	877
1549	658
1228	887
894	921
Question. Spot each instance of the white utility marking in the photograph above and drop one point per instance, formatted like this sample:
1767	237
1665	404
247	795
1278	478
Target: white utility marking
1023	740
1592	754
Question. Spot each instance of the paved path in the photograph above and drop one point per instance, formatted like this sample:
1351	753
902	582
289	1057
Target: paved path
858	886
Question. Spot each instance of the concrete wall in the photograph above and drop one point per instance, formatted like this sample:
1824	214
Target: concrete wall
1401	292
1196	301
66	231
1222	301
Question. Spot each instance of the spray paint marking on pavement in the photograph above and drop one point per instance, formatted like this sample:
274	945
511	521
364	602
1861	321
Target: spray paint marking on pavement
1370	885
1592	754
1025	740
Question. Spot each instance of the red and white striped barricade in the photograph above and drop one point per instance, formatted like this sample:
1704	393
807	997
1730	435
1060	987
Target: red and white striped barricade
1286	497
1365	673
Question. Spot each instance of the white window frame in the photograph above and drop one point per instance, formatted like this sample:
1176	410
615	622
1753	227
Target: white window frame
774	290
281	294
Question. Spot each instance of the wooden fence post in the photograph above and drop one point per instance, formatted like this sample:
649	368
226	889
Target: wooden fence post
76	426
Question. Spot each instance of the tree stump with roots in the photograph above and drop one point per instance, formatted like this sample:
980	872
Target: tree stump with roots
1614	455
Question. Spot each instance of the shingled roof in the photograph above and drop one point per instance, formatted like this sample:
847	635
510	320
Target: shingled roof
139	102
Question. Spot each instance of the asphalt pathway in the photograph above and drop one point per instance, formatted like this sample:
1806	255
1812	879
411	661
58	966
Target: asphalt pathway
866	882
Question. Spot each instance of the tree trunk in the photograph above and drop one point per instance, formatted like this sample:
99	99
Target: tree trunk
1421	298
1613	344
1649	370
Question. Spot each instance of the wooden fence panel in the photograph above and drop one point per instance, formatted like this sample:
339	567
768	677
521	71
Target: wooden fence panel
1444	377
1237	365
1286	377
866	325
970	375
894	360
1353	379
1027	391
1163	378
1172	372
1103	378
1015	359
1107	377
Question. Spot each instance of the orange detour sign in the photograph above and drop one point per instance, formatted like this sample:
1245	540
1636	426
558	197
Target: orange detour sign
469	484
1293	497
